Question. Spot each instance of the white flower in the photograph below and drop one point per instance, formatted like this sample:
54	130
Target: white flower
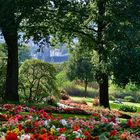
25	137
46	123
53	127
63	122
77	134
117	120
63	135
57	129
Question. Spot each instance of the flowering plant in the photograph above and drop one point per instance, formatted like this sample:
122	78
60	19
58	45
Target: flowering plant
40	125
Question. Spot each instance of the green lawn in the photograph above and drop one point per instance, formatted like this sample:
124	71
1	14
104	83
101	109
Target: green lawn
65	116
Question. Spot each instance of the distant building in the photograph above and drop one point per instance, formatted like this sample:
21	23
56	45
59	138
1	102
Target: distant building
52	55
43	51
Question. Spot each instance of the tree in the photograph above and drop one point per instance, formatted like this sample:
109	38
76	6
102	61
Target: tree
123	36
11	15
104	26
2	70
80	67
89	23
39	80
18	15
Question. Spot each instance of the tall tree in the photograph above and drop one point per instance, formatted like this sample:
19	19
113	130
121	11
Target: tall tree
80	67
97	22
16	15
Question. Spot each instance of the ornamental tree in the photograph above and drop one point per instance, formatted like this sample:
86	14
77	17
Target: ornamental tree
37	80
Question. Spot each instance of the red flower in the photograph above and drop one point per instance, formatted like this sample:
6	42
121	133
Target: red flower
11	136
20	127
86	133
61	130
130	122
124	135
113	119
95	115
36	124
76	127
113	133
3	117
42	137
8	106
18	108
50	137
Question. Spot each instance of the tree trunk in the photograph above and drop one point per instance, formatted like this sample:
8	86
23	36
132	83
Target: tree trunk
103	91
11	38
103	82
86	84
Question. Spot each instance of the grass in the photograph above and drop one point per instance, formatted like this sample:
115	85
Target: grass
66	116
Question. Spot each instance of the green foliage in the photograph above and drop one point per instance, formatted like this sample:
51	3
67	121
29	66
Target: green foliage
3	65
127	108
37	80
129	99
62	80
80	67
111	97
126	65
79	91
23	53
130	90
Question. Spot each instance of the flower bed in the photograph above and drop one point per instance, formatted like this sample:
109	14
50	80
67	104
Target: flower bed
16	124
90	110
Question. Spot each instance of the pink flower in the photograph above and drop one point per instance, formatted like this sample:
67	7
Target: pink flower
8	106
18	108
19	117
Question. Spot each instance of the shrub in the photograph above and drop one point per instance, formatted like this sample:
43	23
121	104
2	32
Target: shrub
111	97
129	99
62	80
64	96
127	108
37	80
51	100
96	102
78	91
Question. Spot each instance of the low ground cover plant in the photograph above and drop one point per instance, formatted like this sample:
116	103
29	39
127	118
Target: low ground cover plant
40	125
128	108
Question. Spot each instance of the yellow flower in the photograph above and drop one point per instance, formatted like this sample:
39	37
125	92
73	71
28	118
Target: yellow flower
52	131
16	130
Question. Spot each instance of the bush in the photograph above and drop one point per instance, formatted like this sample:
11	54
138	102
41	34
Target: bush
64	96
62	80
96	102
51	100
127	108
37	80
111	97
129	99
79	91
130	90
